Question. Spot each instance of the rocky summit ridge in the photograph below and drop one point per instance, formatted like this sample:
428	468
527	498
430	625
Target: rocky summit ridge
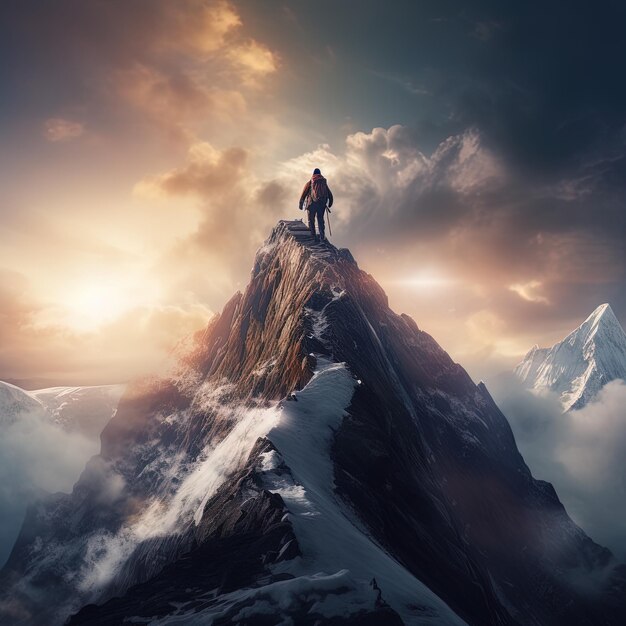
313	457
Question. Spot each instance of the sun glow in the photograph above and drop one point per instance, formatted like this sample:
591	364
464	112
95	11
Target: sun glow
97	300
94	305
426	280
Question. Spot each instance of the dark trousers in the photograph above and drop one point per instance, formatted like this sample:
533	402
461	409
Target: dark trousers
317	210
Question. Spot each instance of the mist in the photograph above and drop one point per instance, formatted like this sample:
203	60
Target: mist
35	455
580	452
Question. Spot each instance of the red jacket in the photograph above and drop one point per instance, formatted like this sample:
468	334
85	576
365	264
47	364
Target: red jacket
307	191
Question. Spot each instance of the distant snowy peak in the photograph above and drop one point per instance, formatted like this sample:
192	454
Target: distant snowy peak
80	409
15	402
528	368
580	365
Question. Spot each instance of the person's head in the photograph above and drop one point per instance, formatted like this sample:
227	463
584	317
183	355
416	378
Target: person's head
316	171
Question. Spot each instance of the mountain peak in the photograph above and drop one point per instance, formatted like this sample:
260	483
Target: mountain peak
600	327
297	233
313	455
602	316
581	364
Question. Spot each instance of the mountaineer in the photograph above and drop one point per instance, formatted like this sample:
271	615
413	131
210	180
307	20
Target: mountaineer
314	199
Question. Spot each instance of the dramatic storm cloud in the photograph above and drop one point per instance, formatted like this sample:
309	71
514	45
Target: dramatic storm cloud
580	452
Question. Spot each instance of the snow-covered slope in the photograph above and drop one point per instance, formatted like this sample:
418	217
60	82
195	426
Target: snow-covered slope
580	365
81	409
313	458
16	403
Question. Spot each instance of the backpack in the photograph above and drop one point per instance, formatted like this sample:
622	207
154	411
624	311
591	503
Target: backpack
319	189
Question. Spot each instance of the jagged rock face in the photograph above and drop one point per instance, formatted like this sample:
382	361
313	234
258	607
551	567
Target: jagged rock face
234	546
580	365
421	432
390	490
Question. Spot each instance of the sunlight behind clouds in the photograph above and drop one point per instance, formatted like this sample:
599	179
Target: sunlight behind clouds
426	280
91	305
93	299
530	291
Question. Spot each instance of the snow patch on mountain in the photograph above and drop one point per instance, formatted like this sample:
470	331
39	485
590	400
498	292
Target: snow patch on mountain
339	561
328	596
328	533
580	365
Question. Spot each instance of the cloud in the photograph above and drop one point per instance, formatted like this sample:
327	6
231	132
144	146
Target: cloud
154	30
253	60
198	27
157	329
208	80
41	340
580	452
18	306
386	183
529	291
59	129
486	30
485	326
464	209
179	67
237	210
175	99
34	455
207	172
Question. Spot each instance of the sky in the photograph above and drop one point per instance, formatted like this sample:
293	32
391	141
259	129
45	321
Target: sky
476	152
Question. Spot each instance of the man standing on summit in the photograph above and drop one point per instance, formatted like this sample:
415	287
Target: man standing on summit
315	196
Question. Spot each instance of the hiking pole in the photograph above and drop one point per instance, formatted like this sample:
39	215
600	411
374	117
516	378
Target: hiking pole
330	230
